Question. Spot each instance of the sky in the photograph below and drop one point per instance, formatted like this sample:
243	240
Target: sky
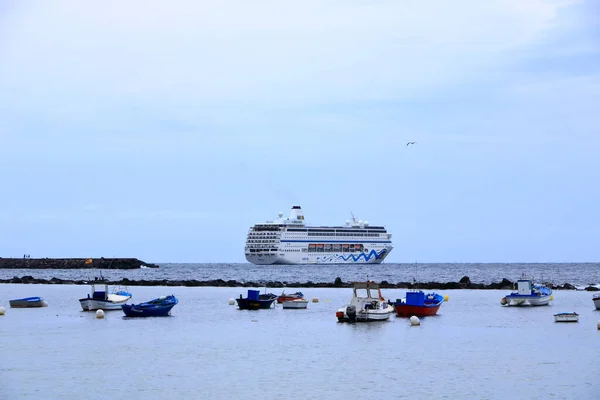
164	130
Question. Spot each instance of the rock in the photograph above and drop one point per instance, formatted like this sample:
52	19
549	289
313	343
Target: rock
592	288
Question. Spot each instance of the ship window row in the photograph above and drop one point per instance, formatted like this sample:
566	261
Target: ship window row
345	234
335	248
261	250
262	241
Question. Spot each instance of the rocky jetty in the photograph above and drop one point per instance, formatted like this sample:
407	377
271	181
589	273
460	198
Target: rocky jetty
73	263
464	283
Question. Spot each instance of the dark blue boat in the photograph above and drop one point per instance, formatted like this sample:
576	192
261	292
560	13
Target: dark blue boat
160	307
28	302
256	301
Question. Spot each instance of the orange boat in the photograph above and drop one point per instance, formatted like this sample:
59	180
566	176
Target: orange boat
287	297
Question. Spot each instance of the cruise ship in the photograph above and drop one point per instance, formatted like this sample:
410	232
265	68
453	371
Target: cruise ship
290	241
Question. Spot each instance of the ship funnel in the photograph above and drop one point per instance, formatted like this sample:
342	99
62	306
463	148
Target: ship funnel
296	214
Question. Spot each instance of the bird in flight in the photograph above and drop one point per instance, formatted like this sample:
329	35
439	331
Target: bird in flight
411	143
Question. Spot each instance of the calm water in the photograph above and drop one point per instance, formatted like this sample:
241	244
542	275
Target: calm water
579	274
208	349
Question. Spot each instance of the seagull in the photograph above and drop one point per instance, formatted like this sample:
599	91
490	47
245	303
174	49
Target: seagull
411	143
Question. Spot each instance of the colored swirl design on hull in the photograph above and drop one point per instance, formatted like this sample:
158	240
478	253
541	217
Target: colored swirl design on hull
373	254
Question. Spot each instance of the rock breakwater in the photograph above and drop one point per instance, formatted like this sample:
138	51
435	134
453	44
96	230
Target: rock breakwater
73	263
464	283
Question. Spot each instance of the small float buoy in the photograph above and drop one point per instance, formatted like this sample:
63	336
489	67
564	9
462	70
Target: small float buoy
414	321
446	297
2	310
231	301
315	300
551	297
503	301
100	314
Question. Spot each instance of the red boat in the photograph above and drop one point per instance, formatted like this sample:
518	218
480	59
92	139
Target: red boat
418	304
288	297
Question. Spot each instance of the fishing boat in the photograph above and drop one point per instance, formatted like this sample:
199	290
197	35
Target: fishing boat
566	317
419	304
287	297
159	307
104	299
366	305
28	302
256	301
596	300
528	293
295	304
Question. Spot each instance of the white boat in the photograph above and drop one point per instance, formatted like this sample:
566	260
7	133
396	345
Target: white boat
295	304
105	300
367	305
566	317
596	300
528	293
290	241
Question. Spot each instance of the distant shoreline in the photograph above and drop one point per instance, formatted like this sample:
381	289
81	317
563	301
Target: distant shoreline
73	263
464	283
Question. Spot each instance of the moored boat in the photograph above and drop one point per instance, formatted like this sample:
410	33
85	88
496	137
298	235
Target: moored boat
566	317
366	305
295	304
159	307
105	300
255	300
419	304
287	297
28	302
528	293
596	300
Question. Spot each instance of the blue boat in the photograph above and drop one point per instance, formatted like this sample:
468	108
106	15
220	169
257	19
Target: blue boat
256	301
159	307
528	293
28	302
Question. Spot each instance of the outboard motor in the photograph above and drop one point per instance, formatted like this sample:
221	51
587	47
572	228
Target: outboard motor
351	313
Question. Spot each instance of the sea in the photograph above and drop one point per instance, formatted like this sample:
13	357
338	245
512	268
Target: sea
474	348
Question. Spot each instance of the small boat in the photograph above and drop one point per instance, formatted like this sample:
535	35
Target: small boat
596	300
566	317
28	302
419	304
366	305
295	304
105	300
528	294
255	300
292	296
159	307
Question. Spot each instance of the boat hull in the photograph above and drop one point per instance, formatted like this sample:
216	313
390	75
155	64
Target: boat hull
405	310
97	304
247	304
29	302
597	302
375	256
297	304
534	301
566	317
132	310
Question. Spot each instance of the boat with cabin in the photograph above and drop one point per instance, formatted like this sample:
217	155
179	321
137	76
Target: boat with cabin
528	293
366	305
28	302
290	241
104	299
419	304
256	301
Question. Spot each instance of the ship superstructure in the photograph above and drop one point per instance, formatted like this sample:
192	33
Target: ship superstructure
290	241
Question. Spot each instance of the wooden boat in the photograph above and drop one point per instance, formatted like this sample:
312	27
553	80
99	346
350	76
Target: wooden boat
295	304
566	317
366	305
28	302
419	304
105	300
159	307
596	300
255	300
292	296
528	293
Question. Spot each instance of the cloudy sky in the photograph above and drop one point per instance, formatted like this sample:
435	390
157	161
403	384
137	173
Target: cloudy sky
164	130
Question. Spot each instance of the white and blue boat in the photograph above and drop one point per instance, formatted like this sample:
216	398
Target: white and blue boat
28	302
159	307
104	299
528	293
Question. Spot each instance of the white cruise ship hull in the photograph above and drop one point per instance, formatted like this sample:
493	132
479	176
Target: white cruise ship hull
373	257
